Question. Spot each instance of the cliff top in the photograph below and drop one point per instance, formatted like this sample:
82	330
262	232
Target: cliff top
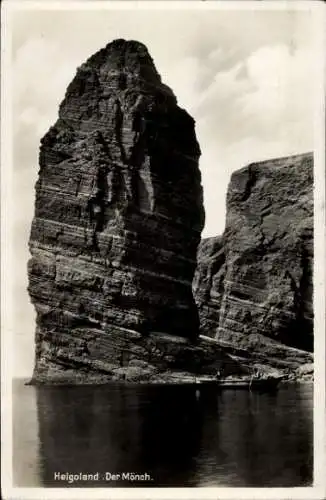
278	162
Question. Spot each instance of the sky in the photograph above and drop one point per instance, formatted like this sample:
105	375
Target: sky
245	76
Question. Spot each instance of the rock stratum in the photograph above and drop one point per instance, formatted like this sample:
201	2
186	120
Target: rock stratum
118	217
253	285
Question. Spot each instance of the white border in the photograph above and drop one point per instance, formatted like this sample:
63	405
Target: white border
236	5
318	491
319	251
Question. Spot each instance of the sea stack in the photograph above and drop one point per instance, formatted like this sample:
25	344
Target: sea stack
253	284
118	217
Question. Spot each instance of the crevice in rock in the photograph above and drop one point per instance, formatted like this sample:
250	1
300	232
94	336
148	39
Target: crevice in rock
118	127
302	325
252	177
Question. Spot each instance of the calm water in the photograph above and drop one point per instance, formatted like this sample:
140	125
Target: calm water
231	438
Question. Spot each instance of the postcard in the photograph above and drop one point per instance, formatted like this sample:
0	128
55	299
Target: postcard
163	249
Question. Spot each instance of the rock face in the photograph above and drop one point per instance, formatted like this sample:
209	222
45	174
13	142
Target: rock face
118	217
253	285
208	284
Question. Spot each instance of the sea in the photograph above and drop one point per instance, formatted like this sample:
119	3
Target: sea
161	436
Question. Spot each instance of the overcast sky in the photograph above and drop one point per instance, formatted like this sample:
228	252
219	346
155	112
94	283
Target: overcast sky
245	76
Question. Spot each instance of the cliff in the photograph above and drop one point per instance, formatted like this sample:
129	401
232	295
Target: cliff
253	285
118	218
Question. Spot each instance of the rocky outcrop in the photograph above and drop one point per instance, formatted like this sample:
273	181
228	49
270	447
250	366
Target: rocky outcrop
118	217
253	285
208	283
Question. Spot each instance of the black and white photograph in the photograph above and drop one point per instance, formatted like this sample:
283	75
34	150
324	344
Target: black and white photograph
163	249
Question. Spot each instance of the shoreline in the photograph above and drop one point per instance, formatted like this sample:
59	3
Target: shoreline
160	381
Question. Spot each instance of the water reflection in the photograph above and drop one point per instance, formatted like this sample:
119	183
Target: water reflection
119	429
231	438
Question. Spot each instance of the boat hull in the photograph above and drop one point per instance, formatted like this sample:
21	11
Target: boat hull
252	385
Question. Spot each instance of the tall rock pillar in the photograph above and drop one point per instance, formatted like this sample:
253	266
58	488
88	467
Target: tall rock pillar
118	215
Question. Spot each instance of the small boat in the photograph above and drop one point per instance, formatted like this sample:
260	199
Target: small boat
262	384
252	384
